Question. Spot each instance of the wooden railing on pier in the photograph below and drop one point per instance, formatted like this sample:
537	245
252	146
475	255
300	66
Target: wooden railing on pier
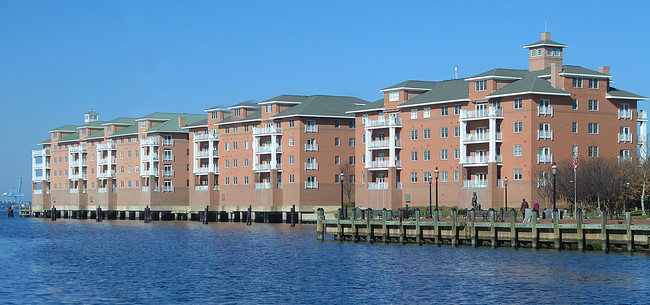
558	234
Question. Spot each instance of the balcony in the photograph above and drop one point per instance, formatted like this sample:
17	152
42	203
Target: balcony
475	183
377	186
382	164
640	139
398	185
481	137
40	152
311	166
78	176
544	110
168	158
38	178
201	188
541	158
150	142
38	192
266	167
491	112
145	188
77	149
624	158
311	128
477	159
311	147
105	175
266	130
102	190
206	169
102	161
541	182
201	153
77	163
107	146
148	158
149	172
217	187
380	123
642	116
262	185
168	189
383	144
625	114
74	191
168	173
624	137
311	184
279	185
545	134
267	149
206	136
168	142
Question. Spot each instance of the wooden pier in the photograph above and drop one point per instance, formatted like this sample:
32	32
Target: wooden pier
602	234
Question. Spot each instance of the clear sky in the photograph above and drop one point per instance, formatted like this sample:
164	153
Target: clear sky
58	59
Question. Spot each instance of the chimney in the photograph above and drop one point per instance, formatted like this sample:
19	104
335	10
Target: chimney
604	70
546	36
181	122
556	80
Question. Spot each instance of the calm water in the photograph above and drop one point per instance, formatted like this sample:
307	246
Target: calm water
78	261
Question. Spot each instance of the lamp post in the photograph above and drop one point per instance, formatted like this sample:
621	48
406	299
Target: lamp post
554	171
627	197
436	172
430	210
341	177
505	184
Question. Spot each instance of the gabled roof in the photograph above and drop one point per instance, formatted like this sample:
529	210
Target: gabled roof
530	84
200	123
245	104
66	128
70	137
44	142
91	112
323	106
546	43
98	134
499	73
120	121
377	105
445	91
217	108
93	125
614	93
132	129
286	98
255	116
411	85
171	125
581	72
164	116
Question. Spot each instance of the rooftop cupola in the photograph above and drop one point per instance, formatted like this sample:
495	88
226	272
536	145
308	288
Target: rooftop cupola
90	116
544	52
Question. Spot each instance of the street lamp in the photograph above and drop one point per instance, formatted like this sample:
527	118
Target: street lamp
430	181
554	171
436	172
505	184
341	177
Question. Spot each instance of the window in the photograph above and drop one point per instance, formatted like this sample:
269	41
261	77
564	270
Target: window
291	123
426	134
291	141
363	138
246	128
533	53
352	142
426	113
414	113
518	150
593	105
414	134
246	162
481	85
517	173
352	124
518	103
443	154
337	160
393	96
245	145
577	82
426	155
352	179
227	180
624	154
292	178
518	126
574	104
593	83
234	129
444	176
457	109
456	153
128	169
227	147
268	108
593	151
456	131
237	112
593	128
291	160
363	159
574	127
226	130
539	52
364	119
351	160
234	145
226	163
234	163
337	123
444	110
557	52
414	177
425	177
444	132
121	155
414	155
143	124
456	176
337	141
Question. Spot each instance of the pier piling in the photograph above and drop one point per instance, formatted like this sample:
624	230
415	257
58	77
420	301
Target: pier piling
320	229
293	215
629	237
98	214
604	236
10	212
580	233
249	215
53	214
557	237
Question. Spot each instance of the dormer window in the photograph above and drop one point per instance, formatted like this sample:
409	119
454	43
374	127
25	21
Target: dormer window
557	52
214	115
577	82
393	96
143	124
237	112
481	85
593	83
109	128
269	108
83	131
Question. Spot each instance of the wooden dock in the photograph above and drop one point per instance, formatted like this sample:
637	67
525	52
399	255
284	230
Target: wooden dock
577	234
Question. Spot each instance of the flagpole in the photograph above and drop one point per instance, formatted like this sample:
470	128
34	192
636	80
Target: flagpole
575	192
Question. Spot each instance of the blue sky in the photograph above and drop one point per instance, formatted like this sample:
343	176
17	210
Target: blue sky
58	59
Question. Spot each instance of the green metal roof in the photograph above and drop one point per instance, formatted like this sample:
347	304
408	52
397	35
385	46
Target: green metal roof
287	98
197	123
121	121
500	73
44	142
171	125
247	104
324	105
412	84
132	129
621	94
71	137
98	134
256	115
67	128
546	43
530	84
378	104
580	71
91	112
451	90
93	125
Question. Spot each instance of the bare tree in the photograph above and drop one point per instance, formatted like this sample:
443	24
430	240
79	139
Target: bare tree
347	170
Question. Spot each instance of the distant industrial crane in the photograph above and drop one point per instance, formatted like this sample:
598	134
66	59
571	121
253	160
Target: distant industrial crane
14	196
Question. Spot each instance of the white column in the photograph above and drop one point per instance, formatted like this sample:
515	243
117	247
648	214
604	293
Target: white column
368	155
493	140
391	145
643	138
255	144
463	146
273	152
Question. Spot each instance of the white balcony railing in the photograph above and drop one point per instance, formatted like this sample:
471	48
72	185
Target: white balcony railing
201	153
311	184
267	130
149	172
102	161
374	186
78	176
168	142
544	158
150	142
168	158
38	192
217	187
545	134
383	144
147	158
268	148
107	146
41	152
378	164
481	113
168	173
74	191
38	178
624	137
544	110
474	137
266	167
102	190
398	185
311	147
642	115
280	185
475	183
104	175
145	188
206	136
625	114
311	128
479	159
396	122
77	149
168	189
262	185
201	187
311	166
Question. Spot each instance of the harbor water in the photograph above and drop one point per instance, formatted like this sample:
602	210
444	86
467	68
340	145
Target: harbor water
125	262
